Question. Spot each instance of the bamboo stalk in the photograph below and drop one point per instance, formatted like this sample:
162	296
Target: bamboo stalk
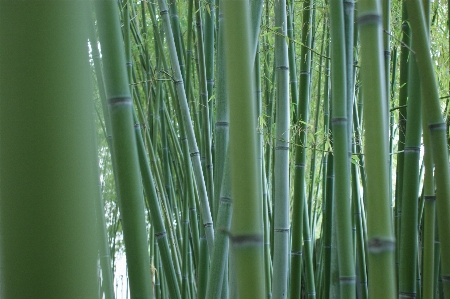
339	121
246	233
48	152
381	242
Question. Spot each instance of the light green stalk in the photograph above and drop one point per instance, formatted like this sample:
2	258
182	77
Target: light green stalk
340	151
381	242
437	127
48	158
281	220
104	251
124	149
206	130
187	123
219	259
156	219
246	232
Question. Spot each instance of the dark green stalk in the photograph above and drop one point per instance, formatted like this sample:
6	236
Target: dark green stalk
292	59
48	153
340	151
308	248
210	16
349	13
403	95
302	115
429	289
222	113
408	237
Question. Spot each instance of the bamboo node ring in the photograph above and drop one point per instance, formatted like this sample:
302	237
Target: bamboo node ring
160	235
282	67
119	101
194	154
381	244
369	18
284	148
347	279
439	126
246	240
430	198
406	295
281	230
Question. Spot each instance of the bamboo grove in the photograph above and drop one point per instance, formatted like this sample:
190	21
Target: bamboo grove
228	149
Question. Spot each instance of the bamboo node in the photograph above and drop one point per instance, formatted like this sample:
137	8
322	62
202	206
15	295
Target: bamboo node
347	279
225	200
194	154
369	18
164	12
281	230
430	198
411	149
297	253
438	126
246	240
339	121
119	101
222	124
208	224
282	68
445	278
283	148
406	295
380	244
160	235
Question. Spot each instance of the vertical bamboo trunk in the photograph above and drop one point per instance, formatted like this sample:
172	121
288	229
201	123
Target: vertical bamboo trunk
246	232
381	242
347	279
187	123
403	95
47	152
409	234
437	127
124	150
281	168
302	116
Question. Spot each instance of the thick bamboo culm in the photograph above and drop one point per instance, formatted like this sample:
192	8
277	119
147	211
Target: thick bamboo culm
246	149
